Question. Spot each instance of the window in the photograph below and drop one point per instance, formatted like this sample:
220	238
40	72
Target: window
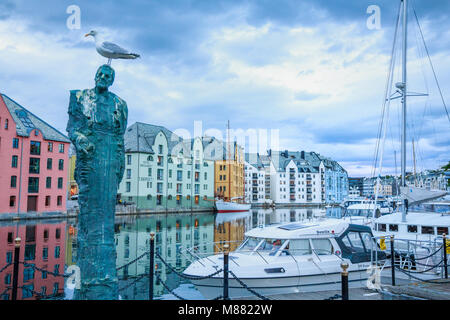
170	173
27	291
8	279
427	230
59	201
353	241
14	161
57	251
13	181
33	185
10	237
58	233
30	252
149	158
48	182
159	187
150	172
61	148
412	229
15	143
128	173
322	246
60	183
49	163
35	148
6	124
129	159
442	230
128	186
34	165
381	227
61	164
206	175
160	173
47	201
45	253
393	227
50	147
299	247
9	256
160	148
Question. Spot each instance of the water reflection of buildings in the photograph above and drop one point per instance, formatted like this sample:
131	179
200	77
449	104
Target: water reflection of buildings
172	232
43	246
262	217
230	228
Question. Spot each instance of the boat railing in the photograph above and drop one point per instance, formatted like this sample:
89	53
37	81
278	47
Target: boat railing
416	257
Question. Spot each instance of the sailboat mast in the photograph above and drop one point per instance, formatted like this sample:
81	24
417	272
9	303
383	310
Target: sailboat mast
403	88
229	165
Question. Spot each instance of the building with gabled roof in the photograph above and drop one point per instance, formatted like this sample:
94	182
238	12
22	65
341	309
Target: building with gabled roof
164	171
34	158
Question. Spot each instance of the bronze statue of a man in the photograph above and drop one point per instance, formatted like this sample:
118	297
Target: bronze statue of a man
97	123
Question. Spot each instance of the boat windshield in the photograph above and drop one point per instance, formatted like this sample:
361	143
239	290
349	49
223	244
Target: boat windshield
266	246
249	245
270	246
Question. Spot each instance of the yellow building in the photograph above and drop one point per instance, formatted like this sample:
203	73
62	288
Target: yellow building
229	175
73	187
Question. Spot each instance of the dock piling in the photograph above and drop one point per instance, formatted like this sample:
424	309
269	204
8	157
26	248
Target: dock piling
445	257
17	242
344	280
152	265
225	272
392	260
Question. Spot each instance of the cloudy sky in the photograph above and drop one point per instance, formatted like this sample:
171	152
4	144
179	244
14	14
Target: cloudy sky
310	69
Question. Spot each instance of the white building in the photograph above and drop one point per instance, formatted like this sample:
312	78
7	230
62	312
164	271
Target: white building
305	178
254	179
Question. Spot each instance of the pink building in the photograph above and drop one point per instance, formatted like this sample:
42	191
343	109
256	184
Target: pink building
42	245
34	162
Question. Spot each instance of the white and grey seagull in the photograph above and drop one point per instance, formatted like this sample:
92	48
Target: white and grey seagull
110	50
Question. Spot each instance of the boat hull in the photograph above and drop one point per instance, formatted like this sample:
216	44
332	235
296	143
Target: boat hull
226	206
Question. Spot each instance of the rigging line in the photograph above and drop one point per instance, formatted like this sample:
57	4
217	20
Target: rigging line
431	64
387	90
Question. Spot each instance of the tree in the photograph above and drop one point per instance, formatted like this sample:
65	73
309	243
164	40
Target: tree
446	167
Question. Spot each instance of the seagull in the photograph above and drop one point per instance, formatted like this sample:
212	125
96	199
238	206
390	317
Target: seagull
110	50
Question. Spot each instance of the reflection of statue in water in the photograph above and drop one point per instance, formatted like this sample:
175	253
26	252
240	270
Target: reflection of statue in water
97	123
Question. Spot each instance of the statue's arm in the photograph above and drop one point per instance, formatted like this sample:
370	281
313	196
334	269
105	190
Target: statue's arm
76	124
122	119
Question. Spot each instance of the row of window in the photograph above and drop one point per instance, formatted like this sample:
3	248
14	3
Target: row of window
34	166
414	229
13	201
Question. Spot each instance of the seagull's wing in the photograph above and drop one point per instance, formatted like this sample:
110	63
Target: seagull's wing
114	48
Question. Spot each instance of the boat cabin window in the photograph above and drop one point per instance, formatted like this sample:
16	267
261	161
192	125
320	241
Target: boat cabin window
271	246
322	246
358	241
412	229
249	245
393	227
299	247
427	230
442	230
381	227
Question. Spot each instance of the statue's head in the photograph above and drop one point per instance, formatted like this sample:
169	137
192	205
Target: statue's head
104	77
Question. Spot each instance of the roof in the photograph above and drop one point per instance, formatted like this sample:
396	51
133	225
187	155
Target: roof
417	218
140	137
324	228
26	122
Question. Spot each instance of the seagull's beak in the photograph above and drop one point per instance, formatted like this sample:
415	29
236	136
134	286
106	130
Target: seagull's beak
87	34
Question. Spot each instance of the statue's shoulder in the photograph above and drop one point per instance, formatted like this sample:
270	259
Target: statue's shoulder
118	101
79	95
78	99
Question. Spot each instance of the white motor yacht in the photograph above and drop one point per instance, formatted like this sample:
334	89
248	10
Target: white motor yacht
291	258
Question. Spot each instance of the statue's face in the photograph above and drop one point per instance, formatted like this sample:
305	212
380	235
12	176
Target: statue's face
104	78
